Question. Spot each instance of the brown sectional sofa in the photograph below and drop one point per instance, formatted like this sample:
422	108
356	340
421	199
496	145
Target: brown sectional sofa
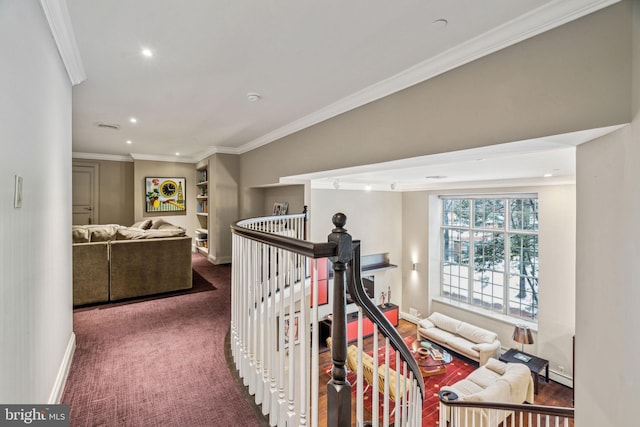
113	262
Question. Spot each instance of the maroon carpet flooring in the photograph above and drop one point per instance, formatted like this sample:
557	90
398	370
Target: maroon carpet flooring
158	362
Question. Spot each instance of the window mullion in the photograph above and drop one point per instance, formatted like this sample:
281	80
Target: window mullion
507	257
472	251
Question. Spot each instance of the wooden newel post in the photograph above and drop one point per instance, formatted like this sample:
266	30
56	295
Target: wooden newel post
338	388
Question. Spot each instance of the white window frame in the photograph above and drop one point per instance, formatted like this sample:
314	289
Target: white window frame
471	229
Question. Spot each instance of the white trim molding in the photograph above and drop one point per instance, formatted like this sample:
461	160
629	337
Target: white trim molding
538	21
63	373
160	158
96	156
60	23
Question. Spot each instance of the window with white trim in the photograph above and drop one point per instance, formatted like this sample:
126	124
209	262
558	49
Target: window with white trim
489	254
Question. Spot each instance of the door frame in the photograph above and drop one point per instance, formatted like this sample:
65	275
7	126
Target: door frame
96	186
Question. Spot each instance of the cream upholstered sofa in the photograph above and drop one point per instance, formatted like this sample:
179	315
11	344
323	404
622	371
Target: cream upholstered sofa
495	382
463	338
113	262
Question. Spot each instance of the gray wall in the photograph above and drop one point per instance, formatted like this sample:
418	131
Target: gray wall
292	194
36	338
571	78
223	205
608	255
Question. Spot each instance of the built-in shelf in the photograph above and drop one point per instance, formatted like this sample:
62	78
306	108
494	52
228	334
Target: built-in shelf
201	237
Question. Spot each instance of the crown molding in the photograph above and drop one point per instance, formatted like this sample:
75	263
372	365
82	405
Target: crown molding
216	150
160	158
96	156
538	21
60	24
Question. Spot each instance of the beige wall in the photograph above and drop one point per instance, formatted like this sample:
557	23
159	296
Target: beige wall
292	194
148	168
374	218
608	255
223	205
571	78
115	203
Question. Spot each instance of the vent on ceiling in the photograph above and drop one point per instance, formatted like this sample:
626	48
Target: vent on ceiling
111	126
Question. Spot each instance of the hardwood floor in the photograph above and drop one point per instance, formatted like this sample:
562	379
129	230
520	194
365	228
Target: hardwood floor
551	394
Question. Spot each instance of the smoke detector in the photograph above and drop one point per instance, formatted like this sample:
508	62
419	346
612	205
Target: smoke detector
253	97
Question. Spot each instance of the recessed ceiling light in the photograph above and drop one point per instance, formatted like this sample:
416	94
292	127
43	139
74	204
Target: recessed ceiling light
440	23
128	141
147	52
548	175
253	97
133	120
367	188
177	154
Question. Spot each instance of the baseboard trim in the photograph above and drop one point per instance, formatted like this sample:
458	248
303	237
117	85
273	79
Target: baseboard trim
219	260
560	378
63	372
409	318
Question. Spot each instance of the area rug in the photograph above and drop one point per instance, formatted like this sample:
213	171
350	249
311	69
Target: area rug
456	370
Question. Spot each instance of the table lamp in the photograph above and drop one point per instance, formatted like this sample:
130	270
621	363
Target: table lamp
522	334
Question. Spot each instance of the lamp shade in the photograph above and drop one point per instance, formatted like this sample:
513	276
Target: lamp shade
522	334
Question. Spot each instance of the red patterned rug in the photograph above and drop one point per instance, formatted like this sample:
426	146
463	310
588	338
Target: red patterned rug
456	370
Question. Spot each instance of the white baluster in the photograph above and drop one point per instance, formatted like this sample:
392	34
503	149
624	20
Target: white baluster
359	376
374	386
315	347
387	376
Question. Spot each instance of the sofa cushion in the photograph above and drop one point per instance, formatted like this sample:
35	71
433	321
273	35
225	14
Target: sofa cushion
80	234
426	324
445	322
145	224
137	234
499	391
475	334
483	377
464	388
496	366
102	233
462	346
437	335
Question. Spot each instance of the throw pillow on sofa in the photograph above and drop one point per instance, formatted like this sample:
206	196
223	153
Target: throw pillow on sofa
445	322
145	224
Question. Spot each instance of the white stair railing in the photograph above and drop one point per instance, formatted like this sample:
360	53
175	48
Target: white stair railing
460	413
272	317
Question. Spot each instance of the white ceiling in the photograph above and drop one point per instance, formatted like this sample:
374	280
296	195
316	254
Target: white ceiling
309	61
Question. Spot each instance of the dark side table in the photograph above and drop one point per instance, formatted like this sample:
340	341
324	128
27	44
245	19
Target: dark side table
535	364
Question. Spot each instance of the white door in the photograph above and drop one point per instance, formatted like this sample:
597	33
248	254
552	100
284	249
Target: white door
84	194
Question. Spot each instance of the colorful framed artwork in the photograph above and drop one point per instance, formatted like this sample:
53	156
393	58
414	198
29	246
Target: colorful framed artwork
165	194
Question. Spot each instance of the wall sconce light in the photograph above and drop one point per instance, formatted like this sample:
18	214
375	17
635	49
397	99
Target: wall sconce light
414	267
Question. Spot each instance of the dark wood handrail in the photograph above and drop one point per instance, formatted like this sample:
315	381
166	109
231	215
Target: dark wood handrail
538	409
359	295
